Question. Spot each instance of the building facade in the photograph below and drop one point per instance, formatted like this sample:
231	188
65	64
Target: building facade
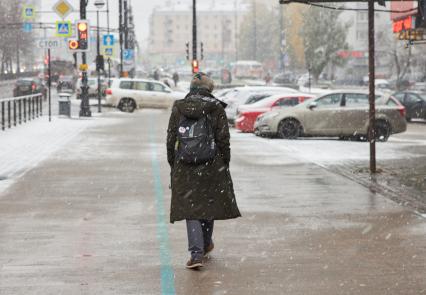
357	38
218	23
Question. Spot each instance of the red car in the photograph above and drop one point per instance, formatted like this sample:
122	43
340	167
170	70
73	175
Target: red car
247	114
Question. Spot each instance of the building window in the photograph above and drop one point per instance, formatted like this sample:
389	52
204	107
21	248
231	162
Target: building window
362	16
361	35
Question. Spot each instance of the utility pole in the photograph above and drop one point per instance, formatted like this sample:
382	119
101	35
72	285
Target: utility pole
84	107
194	37
126	33
109	59
282	41
126	25
254	31
371	80
120	30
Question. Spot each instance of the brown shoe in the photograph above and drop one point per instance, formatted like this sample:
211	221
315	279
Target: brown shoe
208	249
194	264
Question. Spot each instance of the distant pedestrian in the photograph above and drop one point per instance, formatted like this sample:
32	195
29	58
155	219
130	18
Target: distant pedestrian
268	78
198	151
175	78
167	83
156	75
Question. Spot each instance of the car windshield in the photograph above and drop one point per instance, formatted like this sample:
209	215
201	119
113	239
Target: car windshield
24	82
423	96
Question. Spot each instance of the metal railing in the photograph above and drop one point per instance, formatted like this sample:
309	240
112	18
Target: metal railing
19	110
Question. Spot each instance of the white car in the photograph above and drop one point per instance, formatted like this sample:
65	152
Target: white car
240	95
128	94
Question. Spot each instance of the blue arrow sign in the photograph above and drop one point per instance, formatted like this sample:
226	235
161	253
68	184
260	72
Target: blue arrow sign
29	12
108	40
128	54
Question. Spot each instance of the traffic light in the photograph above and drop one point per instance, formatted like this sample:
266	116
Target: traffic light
82	41
100	63
195	68
187	50
83	35
202	50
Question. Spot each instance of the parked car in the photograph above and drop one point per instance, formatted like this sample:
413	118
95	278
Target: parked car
242	95
129	94
341	114
247	114
28	86
414	102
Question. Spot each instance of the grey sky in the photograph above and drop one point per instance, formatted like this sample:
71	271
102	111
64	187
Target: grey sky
142	12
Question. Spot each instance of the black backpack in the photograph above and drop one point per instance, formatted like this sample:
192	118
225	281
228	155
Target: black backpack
195	140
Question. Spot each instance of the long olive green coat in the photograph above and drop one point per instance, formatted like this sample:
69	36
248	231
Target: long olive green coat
201	191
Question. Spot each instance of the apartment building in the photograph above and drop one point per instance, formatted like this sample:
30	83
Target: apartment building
357	39
218	23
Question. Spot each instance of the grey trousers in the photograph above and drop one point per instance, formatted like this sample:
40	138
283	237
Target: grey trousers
199	236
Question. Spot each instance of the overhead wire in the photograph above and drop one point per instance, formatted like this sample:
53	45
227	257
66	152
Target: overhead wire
353	9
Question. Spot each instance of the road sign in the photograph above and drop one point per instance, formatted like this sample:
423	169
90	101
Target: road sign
108	40
109	51
28	12
411	35
63	8
27	27
46	43
63	29
128	54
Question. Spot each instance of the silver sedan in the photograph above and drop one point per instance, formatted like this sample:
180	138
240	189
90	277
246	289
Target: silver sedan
340	114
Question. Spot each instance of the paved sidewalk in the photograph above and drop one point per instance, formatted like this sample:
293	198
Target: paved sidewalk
93	219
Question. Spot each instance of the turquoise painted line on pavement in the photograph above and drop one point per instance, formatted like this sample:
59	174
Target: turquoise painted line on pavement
166	269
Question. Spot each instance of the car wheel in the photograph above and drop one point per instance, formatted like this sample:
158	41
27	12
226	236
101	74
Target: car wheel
382	131
289	129
127	105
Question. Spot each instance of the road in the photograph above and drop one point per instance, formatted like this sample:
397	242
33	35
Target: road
92	218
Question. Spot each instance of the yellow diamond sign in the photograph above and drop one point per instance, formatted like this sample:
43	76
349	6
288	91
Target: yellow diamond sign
63	8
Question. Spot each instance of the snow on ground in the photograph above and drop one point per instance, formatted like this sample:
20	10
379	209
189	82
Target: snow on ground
23	147
323	151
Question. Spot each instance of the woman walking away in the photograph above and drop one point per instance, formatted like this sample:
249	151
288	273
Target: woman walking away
198	152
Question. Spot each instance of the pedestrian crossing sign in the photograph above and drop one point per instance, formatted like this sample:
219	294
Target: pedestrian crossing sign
63	29
28	12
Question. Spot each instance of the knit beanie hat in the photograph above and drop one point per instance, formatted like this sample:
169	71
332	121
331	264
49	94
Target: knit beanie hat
202	81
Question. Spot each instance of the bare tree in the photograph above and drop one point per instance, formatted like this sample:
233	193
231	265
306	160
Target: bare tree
14	43
323	37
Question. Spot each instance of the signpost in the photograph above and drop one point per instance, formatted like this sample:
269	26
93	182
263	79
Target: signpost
128	59
63	29
27	27
28	12
49	43
63	8
108	40
109	51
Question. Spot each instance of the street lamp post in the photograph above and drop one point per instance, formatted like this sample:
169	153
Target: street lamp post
194	36
85	106
109	59
99	5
